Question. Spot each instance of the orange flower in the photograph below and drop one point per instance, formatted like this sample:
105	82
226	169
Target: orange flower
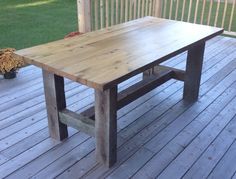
8	62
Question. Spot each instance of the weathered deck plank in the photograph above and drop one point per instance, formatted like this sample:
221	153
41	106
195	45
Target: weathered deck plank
145	118
199	144
157	119
155	130
172	149
225	168
215	151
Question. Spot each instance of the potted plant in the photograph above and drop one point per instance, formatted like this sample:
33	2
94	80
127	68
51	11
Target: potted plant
9	64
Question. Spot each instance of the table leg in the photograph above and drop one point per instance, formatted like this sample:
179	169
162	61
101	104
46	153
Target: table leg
106	126
147	73
156	70
193	72
55	101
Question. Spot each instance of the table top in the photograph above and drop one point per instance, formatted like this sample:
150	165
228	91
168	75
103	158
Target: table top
104	58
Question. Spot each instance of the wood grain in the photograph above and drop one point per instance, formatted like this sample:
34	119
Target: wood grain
84	17
106	126
78	121
68	162
55	101
193	72
117	56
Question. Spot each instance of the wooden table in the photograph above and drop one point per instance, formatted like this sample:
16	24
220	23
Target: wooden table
105	58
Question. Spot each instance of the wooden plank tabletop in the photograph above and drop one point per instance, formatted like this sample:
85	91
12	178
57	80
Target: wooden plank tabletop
104	58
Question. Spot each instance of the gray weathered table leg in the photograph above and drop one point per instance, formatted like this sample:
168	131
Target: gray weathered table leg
55	101
193	72
106	126
147	73
156	70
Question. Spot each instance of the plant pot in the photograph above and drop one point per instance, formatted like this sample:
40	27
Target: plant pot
10	75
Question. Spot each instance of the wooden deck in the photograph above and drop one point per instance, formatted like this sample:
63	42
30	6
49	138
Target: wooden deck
159	135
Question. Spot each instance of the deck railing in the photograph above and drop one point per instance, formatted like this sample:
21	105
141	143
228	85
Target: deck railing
218	13
97	14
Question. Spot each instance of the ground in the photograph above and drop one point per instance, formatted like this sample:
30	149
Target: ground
158	134
25	23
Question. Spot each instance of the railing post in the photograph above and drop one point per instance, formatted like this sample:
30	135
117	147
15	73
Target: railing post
158	8
84	15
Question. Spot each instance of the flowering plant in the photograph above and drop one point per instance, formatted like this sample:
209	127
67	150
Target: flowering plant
8	62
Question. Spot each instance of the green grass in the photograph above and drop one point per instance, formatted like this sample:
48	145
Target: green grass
25	23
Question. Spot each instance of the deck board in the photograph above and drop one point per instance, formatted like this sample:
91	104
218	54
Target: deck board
157	136
186	158
154	130
212	155
168	151
225	168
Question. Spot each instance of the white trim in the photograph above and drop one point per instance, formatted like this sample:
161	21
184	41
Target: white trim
230	33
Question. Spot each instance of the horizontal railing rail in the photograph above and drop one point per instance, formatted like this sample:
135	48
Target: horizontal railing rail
97	14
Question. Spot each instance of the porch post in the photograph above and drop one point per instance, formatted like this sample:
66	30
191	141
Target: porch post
84	15
158	8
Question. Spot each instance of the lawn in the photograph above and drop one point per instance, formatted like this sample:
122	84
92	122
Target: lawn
25	23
